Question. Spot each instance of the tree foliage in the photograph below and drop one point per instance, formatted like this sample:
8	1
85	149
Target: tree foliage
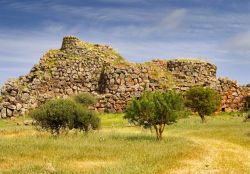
85	99
203	100
84	119
155	110
57	115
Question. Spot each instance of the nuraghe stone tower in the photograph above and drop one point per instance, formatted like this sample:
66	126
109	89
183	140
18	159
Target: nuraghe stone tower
84	67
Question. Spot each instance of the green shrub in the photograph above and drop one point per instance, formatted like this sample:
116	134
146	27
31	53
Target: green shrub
205	101
248	115
155	110
84	119
85	99
57	115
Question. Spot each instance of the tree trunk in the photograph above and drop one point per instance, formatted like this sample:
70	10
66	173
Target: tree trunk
202	119
159	130
160	136
162	126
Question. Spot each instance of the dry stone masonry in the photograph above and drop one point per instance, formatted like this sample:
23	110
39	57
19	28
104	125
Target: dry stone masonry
188	73
84	67
233	95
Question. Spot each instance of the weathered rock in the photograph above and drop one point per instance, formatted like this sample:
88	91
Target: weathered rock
18	106
28	122
12	107
9	113
3	112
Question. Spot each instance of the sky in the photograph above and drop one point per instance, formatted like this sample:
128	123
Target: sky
214	30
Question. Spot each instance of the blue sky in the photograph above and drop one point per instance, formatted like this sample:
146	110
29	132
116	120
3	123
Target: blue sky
214	30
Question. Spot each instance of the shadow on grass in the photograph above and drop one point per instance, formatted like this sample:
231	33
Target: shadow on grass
140	138
133	137
149	138
248	134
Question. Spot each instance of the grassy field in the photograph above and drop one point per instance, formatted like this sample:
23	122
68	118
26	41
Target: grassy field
222	145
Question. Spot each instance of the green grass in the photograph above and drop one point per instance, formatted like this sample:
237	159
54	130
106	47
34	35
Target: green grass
113	120
121	148
223	126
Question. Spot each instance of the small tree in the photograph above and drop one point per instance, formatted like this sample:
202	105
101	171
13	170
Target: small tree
56	115
155	110
205	101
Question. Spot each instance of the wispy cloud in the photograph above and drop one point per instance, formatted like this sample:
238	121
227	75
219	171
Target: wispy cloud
239	47
20	50
88	12
175	19
240	41
53	27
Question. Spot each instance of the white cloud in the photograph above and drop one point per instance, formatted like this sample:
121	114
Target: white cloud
89	12
241	41
53	27
175	19
20	50
25	46
160	25
239	46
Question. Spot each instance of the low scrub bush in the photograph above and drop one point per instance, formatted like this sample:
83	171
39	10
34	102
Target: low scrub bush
61	114
247	116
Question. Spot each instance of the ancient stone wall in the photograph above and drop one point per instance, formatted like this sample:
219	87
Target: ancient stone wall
120	84
84	67
188	73
233	95
78	67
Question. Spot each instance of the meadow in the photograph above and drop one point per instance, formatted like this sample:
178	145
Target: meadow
221	145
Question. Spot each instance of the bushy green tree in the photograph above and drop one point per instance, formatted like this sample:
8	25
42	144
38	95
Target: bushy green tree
203	100
85	99
155	110
57	115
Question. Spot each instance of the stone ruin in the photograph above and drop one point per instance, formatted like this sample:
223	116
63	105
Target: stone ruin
84	67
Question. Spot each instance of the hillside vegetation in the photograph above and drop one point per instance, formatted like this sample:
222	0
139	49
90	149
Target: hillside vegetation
222	145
